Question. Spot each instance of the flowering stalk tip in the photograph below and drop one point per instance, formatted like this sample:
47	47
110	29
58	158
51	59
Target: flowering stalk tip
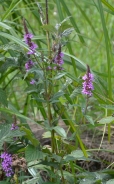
88	83
27	38
29	65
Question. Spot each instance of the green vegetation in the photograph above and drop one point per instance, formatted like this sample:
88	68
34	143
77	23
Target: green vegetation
48	49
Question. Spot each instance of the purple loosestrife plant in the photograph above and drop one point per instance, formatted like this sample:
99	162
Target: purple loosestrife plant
88	83
7	164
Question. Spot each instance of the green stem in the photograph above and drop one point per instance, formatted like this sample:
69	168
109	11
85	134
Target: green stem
62	175
47	32
73	171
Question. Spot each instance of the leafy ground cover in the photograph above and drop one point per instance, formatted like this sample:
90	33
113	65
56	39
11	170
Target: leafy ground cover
56	92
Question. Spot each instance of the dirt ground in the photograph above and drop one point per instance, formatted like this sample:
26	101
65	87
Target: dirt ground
99	146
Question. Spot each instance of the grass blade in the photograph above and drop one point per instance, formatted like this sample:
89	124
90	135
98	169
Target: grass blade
72	20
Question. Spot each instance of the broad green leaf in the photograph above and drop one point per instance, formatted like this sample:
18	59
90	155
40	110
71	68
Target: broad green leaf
90	119
110	181
32	181
106	120
77	153
60	131
10	62
32	153
6	134
88	181
57	158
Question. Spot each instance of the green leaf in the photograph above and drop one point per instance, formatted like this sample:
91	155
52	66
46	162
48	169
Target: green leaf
90	119
32	181
73	22
108	5
13	4
107	106
60	75
60	131
12	111
56	96
57	158
6	134
106	120
77	153
110	181
50	183
49	28
3	97
67	32
30	136
32	153
10	62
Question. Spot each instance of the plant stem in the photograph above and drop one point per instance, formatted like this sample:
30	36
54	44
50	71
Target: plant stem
62	176
73	171
47	32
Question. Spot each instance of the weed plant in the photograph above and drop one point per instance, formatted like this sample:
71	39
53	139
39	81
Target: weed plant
56	65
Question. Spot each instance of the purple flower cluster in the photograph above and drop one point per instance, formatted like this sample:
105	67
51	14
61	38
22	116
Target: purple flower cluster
7	163
88	83
32	81
14	126
59	59
32	49
27	38
32	45
29	65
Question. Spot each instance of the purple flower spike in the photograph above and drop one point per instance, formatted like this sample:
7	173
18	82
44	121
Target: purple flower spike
7	164
32	47
27	37
32	81
88	83
59	59
14	127
29	65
